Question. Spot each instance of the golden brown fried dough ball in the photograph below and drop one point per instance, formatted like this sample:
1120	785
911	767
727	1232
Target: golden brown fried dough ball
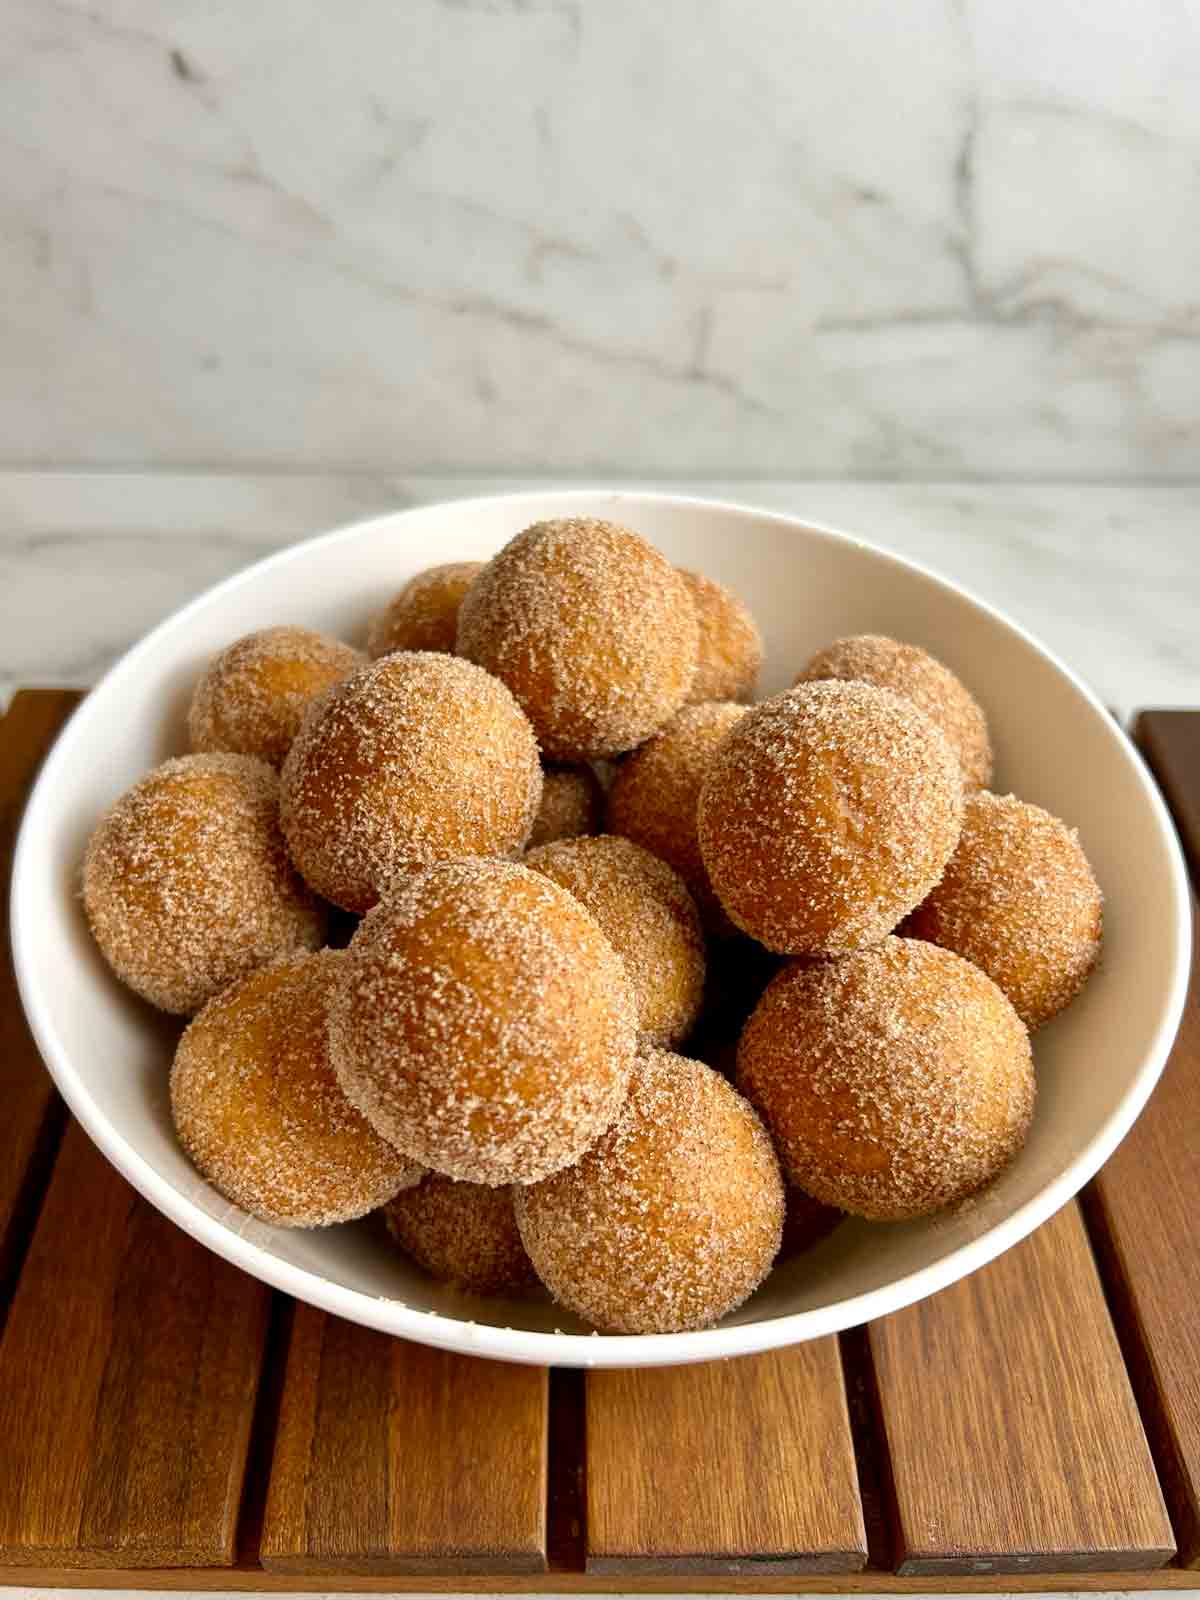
649	918
463	1233
424	614
655	793
253	697
908	670
731	647
672	1218
484	1023
187	883
591	628
258	1109
572	804
414	759
827	815
1020	900
894	1082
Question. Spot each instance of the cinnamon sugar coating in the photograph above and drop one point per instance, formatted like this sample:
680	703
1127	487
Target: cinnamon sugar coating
731	647
464	1233
655	793
423	615
572	805
932	687
414	759
591	628
894	1082
672	1218
253	696
827	815
1021	901
484	1023
650	920
258	1109
187	883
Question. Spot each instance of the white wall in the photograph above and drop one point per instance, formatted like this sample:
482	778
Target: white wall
927	238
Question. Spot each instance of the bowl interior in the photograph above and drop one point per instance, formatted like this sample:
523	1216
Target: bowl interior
1054	745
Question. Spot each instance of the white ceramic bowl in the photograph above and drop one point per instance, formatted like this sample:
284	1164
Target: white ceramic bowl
1054	745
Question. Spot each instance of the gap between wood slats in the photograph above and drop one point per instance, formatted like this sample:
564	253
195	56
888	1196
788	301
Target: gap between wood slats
34	1117
566	1469
870	1449
264	1429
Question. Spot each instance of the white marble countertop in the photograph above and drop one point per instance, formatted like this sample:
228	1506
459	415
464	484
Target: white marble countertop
1108	576
687	236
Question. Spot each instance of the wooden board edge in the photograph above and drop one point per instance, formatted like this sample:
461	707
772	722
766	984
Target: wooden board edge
831	1562
241	1579
510	1565
1039	1563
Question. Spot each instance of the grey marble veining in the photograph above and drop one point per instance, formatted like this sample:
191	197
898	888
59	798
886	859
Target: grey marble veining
1108	577
945	239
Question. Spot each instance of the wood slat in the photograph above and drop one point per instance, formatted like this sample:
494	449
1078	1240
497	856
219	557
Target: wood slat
1013	1438
32	1117
1143	1207
391	1457
1170	741
128	1372
765	1580
731	1467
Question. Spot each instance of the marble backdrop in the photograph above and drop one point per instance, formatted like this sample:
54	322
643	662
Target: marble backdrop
1105	575
936	238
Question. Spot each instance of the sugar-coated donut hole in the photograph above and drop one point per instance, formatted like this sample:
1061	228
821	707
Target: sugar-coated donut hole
591	628
572	804
416	758
463	1233
908	670
253	696
1020	900
258	1108
483	1022
827	814
672	1218
655	792
649	918
731	647
187	883
423	615
895	1081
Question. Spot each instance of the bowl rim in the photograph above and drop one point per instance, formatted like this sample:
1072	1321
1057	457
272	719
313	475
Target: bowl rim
570	1349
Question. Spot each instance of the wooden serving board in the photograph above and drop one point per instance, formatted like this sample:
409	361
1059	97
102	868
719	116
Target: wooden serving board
166	1422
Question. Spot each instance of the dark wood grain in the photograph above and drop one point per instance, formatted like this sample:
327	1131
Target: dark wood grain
1170	742
128	1372
32	1114
396	1458
254	1580
1144	1207
1014	1441
728	1467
